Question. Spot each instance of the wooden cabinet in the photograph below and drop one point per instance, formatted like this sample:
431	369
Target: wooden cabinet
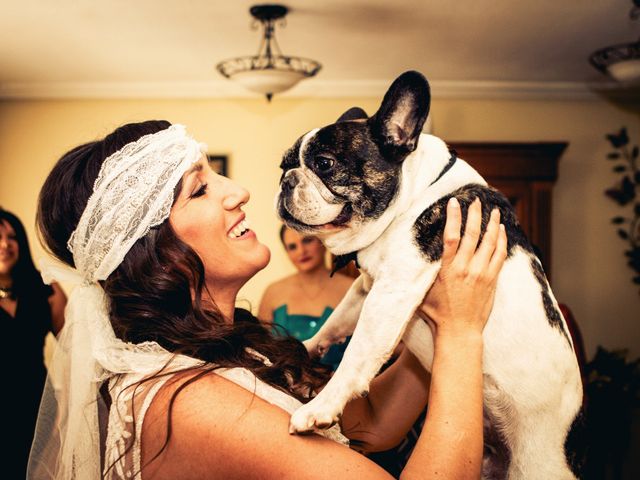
525	173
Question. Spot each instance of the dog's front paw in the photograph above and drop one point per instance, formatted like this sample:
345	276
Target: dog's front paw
317	348
312	347
314	415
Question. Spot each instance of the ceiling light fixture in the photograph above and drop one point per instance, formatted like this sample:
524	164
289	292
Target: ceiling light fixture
269	71
622	61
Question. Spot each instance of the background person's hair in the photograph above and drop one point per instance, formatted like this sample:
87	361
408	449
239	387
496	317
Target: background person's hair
150	292
25	276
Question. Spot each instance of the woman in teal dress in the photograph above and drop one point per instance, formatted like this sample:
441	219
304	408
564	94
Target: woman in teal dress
299	304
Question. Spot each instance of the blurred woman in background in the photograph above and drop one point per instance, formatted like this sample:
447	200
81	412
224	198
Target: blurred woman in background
301	303
29	309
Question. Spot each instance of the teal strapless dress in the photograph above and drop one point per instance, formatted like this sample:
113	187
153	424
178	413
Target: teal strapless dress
303	327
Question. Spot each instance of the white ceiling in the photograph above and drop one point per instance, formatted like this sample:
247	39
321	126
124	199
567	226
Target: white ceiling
76	48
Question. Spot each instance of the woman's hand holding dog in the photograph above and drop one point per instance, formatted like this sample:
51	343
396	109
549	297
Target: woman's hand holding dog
457	308
460	300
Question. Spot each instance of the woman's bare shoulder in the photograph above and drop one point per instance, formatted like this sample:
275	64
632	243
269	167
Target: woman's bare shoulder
221	430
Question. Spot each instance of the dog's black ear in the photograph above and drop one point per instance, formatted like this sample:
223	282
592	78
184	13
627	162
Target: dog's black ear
354	113
399	120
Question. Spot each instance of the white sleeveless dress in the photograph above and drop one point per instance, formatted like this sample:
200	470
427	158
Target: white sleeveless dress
124	463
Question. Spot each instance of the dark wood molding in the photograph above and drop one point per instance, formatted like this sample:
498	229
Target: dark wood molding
526	161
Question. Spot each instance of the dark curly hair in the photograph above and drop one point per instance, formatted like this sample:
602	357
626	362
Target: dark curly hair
156	293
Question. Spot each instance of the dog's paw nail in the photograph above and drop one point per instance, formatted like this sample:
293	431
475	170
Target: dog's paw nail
364	394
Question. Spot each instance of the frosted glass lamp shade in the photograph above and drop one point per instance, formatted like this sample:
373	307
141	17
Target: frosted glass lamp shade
268	81
626	71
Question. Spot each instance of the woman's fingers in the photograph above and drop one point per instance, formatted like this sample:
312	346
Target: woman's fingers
489	240
484	259
451	236
499	254
462	294
471	235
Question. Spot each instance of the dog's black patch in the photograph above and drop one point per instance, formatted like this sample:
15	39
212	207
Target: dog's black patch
553	315
429	226
576	446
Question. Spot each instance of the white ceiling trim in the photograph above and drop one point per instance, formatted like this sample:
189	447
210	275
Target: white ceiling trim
309	89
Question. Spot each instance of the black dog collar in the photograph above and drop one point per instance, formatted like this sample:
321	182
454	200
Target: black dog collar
447	167
342	261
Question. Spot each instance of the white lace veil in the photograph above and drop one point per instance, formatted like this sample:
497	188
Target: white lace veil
133	193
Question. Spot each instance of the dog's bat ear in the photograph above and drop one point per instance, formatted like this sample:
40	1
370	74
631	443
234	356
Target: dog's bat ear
399	120
354	113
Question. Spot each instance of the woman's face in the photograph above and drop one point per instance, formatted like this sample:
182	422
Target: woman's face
207	216
305	252
8	248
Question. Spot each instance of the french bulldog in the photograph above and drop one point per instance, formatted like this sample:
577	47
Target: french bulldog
375	189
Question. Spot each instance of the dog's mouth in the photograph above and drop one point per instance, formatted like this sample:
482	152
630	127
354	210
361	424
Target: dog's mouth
344	216
337	223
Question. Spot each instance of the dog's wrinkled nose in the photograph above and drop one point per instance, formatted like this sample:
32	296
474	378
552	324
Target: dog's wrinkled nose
289	181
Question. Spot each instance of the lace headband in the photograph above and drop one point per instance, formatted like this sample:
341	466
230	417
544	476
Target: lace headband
133	192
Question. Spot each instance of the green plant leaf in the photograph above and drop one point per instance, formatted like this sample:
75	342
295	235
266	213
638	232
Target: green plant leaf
623	193
620	139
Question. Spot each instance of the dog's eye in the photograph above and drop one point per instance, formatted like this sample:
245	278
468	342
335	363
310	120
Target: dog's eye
324	164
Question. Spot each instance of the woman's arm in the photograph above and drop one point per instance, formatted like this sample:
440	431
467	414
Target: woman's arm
57	302
396	398
457	309
222	431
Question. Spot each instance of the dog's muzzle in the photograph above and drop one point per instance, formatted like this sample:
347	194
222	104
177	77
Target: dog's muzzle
289	182
303	200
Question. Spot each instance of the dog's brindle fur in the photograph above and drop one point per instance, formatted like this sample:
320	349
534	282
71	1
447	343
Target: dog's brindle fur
382	187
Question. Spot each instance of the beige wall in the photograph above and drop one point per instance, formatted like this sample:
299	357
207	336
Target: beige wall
590	274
